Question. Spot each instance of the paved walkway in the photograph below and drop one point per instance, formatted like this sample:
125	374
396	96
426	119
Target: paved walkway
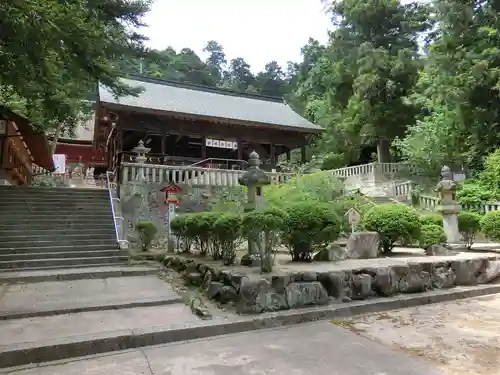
310	349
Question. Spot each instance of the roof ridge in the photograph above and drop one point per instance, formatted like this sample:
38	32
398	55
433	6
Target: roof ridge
197	87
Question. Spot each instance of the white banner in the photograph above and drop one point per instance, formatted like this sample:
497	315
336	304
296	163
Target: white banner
59	163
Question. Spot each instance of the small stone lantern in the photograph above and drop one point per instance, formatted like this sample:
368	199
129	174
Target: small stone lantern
449	207
254	179
141	158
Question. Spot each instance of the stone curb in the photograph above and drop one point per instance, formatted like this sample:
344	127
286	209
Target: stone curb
111	306
79	346
73	276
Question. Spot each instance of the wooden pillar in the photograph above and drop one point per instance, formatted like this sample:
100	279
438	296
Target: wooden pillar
203	148
303	154
288	155
164	144
272	154
240	150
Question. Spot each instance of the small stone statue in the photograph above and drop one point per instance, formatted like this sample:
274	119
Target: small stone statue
449	208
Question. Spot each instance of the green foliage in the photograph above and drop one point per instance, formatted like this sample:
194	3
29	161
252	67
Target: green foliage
264	228
181	226
343	204
469	224
431	234
309	226
432	219
54	52
393	222
476	193
147	232
490	225
226	233
318	186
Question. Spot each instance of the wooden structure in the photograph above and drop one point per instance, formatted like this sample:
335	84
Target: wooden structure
186	124
22	148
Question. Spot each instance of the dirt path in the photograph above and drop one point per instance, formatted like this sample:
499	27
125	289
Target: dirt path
462	338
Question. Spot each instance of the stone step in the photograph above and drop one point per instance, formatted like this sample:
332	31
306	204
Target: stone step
61	248
83	227
78	230
5	190
61	262
63	267
9	245
55	215
65	209
17	256
54	220
43	236
75	273
52	200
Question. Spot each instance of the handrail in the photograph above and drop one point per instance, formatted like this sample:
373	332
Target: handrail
111	199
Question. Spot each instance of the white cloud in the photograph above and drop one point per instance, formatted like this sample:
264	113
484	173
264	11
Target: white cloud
258	30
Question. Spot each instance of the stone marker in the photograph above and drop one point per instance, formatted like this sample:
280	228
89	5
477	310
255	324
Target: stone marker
353	217
449	208
363	245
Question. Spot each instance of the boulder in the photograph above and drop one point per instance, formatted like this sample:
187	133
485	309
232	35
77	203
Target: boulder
412	278
361	286
305	294
363	245
439	250
256	295
279	283
332	253
251	260
227	294
491	272
443	277
337	284
386	282
195	278
468	270
214	289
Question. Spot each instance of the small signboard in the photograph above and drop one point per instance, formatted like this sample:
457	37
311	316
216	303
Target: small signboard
353	217
59	163
171	193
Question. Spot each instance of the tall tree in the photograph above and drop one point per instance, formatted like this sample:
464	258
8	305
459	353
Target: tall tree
216	60
53	52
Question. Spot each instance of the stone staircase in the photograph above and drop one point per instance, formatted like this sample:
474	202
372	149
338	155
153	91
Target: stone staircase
55	228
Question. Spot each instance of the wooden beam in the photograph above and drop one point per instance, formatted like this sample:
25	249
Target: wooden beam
157	125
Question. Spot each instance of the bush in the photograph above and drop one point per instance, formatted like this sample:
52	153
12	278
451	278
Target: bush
393	222
264	228
344	204
432	219
469	224
181	226
147	232
309	226
316	187
475	193
490	225
431	234
226	232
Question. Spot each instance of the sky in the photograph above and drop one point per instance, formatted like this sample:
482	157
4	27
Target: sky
257	30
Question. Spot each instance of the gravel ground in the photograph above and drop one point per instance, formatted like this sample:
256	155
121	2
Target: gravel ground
461	337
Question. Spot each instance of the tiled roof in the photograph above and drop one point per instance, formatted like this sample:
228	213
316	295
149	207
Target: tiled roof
209	102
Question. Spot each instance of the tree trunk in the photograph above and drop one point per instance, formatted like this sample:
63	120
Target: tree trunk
383	151
57	134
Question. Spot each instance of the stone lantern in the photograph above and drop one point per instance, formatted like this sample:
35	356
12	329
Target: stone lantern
140	158
254	179
449	207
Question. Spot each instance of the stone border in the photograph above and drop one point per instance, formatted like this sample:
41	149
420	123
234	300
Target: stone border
78	346
263	293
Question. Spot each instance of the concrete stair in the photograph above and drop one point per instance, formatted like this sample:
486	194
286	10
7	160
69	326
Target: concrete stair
50	228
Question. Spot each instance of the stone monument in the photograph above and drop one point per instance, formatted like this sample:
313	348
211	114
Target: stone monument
254	179
449	207
89	179
77	175
141	158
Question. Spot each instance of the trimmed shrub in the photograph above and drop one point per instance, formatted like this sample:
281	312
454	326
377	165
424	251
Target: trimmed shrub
344	204
309	226
431	234
469	224
490	225
147	232
199	229
393	222
264	228
226	232
180	226
432	219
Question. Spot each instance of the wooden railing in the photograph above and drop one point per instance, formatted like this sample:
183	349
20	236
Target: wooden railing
189	175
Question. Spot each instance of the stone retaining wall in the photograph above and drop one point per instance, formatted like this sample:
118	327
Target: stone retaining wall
257	294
